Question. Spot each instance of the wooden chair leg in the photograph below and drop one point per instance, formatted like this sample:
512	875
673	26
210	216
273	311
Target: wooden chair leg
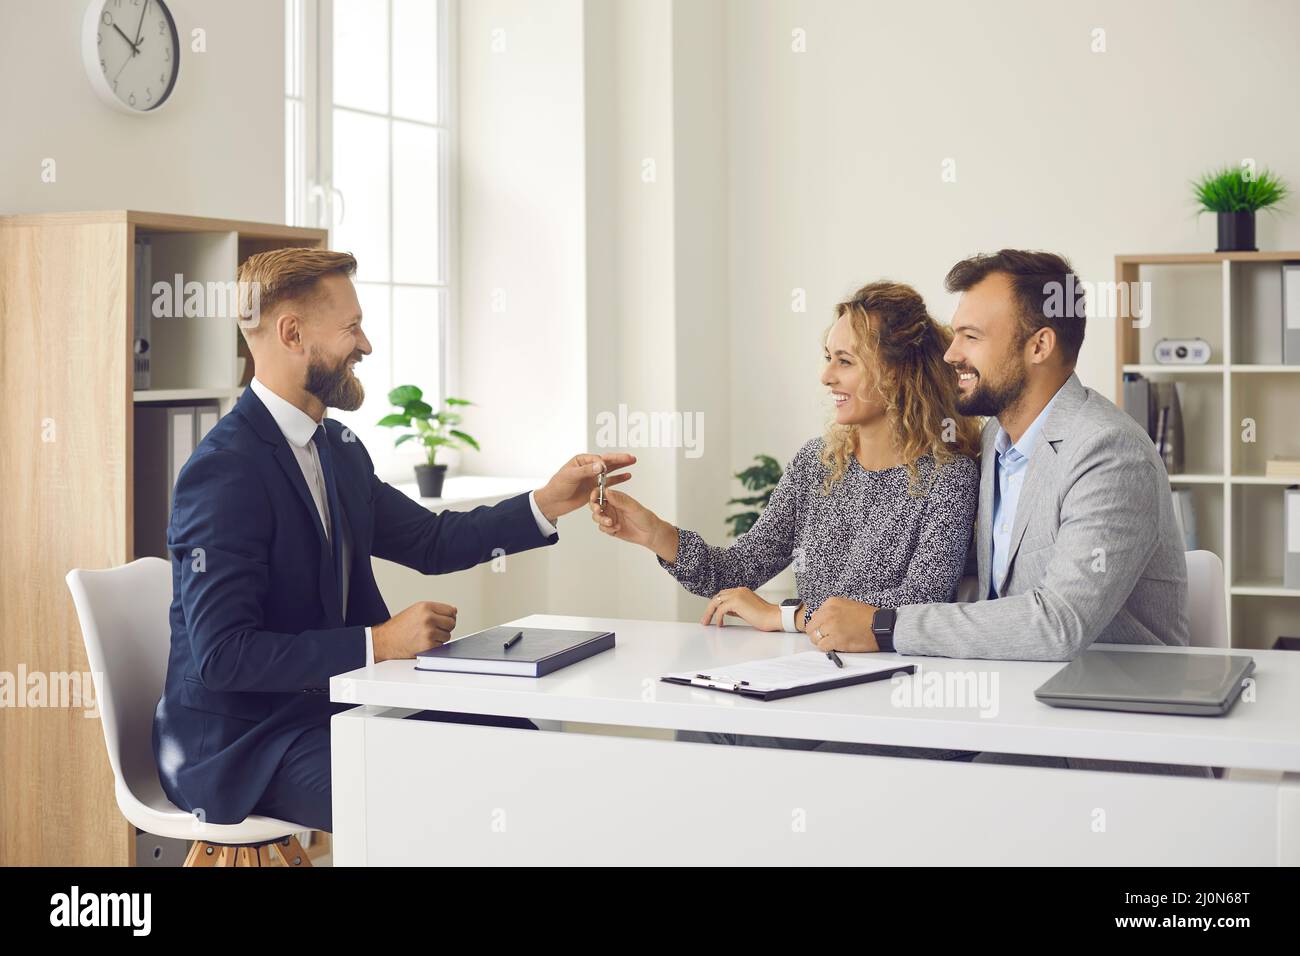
286	852
291	851
202	853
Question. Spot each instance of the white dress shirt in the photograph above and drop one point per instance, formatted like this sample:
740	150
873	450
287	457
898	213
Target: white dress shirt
298	428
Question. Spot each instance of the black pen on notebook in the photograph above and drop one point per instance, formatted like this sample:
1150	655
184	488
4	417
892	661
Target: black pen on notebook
835	657
514	640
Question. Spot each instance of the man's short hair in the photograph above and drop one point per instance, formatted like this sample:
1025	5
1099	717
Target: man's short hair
1048	292
288	274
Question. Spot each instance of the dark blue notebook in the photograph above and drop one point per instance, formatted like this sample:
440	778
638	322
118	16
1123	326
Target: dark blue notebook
540	651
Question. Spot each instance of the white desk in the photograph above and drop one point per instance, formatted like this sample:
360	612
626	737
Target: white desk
421	792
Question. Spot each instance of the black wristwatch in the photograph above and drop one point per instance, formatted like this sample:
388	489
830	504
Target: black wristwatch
882	627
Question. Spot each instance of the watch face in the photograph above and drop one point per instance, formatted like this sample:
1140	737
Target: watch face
137	53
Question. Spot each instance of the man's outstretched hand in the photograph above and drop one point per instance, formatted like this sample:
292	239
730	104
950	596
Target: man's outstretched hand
572	484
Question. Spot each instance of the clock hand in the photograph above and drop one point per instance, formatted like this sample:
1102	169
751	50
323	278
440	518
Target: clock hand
122	67
134	49
140	26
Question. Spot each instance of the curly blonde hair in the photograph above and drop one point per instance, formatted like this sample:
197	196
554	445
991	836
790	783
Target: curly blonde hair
895	333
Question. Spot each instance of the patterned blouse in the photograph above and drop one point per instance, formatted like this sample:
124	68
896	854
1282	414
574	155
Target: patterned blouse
868	540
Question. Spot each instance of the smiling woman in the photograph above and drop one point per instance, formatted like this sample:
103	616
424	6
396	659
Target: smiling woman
879	511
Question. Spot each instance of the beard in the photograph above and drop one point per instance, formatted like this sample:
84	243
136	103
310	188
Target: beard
334	385
991	399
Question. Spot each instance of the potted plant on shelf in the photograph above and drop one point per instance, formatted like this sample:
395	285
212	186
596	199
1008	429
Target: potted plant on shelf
1235	195
432	429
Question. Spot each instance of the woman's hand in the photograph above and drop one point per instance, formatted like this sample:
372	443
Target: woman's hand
565	492
746	605
843	625
625	518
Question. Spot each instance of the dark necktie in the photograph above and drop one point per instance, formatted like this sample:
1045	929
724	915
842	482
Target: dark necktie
331	489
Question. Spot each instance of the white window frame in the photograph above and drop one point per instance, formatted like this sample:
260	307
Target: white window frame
318	203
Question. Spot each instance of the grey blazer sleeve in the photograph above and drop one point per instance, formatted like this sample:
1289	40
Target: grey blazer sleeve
1109	510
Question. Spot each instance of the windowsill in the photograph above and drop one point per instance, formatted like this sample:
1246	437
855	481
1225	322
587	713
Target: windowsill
470	491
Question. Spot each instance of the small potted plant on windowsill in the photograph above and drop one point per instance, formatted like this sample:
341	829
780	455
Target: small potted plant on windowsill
1235	195
432	429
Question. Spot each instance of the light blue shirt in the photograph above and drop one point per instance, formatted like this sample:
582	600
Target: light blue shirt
1012	464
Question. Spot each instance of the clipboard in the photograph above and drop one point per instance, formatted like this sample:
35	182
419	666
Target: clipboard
744	690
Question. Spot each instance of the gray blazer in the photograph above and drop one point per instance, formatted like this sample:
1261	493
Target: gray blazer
1095	550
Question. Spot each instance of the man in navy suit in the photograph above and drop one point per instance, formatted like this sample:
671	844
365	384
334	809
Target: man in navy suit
274	521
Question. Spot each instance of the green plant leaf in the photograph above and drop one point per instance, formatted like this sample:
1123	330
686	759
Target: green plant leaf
418	409
466	439
763	478
395	420
404	438
403	394
1228	189
458	401
742	522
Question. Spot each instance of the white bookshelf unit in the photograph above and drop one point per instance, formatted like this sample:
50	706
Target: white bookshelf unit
1232	300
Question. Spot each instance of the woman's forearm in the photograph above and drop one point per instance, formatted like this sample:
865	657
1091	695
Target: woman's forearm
664	541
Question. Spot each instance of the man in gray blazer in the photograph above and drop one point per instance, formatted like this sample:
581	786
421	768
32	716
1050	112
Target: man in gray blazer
1075	535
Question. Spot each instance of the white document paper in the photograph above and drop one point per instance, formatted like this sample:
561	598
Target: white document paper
779	673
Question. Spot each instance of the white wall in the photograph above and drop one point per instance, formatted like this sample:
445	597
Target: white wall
522	245
217	149
835	157
556	131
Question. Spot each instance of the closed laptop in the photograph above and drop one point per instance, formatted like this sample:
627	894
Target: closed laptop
1152	682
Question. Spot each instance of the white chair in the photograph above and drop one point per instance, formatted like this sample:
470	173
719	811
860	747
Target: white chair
1207	611
124	621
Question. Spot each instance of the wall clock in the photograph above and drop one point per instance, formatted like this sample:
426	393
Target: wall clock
131	53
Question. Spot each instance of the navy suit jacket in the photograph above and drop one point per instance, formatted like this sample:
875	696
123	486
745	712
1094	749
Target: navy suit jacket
256	617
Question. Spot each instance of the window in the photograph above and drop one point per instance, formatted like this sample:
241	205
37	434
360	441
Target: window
367	155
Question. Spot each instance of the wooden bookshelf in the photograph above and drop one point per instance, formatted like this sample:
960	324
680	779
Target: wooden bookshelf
1233	301
66	329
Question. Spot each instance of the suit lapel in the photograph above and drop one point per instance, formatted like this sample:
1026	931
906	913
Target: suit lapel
350	499
1029	494
1042	462
984	516
331	589
256	414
